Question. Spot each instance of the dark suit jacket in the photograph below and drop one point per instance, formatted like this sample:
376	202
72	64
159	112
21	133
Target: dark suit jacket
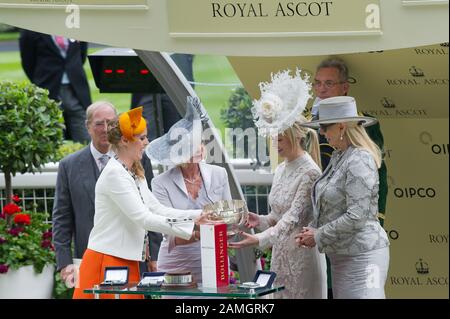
44	65
73	208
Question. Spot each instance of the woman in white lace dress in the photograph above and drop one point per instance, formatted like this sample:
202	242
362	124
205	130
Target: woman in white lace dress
277	114
302	271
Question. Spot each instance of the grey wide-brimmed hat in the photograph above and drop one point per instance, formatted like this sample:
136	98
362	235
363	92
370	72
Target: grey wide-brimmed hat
182	140
339	109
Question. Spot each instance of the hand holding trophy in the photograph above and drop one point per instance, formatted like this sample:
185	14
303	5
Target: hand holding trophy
203	218
233	213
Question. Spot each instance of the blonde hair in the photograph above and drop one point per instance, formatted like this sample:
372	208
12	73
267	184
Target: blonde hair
358	137
305	138
114	138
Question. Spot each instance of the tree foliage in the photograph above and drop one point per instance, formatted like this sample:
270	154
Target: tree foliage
31	126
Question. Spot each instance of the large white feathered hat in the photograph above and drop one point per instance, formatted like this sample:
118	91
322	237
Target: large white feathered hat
282	102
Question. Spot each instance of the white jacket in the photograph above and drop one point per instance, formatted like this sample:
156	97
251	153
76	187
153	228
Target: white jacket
121	218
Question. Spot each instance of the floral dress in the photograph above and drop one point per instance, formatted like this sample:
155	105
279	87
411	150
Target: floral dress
301	270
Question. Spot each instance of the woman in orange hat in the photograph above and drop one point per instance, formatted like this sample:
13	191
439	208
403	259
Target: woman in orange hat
125	209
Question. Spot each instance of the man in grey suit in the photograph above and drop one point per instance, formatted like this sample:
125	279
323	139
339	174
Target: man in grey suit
73	209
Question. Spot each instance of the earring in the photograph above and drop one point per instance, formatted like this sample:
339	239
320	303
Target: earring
342	137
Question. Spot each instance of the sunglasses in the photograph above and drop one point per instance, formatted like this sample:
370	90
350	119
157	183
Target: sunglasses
324	127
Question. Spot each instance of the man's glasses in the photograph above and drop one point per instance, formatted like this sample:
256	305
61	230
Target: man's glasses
101	123
326	84
324	127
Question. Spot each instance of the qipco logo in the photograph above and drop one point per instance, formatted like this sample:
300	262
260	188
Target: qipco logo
436	148
440	149
393	234
415	192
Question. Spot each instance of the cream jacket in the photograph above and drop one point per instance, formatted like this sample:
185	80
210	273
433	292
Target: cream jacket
122	217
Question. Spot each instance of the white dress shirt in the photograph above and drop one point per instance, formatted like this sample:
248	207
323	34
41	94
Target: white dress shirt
65	77
96	154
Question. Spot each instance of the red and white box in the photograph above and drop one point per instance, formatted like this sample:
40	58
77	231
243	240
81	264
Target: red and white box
213	241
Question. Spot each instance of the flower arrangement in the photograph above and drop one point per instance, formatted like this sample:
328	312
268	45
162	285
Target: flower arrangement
282	102
271	106
266	259
25	238
265	256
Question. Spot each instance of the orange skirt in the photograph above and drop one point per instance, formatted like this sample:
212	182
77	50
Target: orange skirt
92	272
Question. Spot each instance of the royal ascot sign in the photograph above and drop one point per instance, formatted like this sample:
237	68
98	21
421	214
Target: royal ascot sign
250	18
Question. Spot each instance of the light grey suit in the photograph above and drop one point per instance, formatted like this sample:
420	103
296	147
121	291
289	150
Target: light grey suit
345	204
73	208
169	188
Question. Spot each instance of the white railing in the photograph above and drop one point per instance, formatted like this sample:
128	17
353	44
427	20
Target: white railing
38	189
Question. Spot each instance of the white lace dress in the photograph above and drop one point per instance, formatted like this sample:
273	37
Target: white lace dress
301	270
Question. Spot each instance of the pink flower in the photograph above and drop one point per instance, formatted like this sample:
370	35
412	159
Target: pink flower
2	240
47	234
46	244
15	231
263	262
23	219
3	268
15	198
11	209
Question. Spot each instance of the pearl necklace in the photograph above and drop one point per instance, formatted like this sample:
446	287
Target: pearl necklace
192	181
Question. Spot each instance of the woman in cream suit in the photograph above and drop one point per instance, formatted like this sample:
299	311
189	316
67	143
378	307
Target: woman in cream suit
345	202
125	208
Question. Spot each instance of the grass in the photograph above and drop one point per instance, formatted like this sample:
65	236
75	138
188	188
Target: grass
214	69
9	36
207	69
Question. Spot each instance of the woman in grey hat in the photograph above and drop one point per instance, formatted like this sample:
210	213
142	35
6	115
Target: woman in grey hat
345	197
188	184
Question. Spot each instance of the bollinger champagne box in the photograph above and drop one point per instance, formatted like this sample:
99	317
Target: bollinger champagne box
214	254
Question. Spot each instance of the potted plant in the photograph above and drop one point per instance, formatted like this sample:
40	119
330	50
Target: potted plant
31	126
26	253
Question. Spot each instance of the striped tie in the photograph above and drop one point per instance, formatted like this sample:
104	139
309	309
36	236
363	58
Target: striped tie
103	161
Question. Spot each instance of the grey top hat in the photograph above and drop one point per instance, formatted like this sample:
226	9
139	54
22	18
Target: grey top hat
182	140
339	109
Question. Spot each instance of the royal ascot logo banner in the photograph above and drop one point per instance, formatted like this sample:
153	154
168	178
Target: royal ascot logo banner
197	18
405	83
407	90
417	219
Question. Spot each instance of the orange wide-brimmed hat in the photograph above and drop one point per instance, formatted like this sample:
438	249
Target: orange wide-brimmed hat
132	123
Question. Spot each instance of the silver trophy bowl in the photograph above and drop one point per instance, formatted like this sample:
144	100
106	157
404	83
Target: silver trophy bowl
234	213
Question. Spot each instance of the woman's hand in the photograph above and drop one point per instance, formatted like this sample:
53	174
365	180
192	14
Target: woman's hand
203	218
306	237
249	240
152	265
252	220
